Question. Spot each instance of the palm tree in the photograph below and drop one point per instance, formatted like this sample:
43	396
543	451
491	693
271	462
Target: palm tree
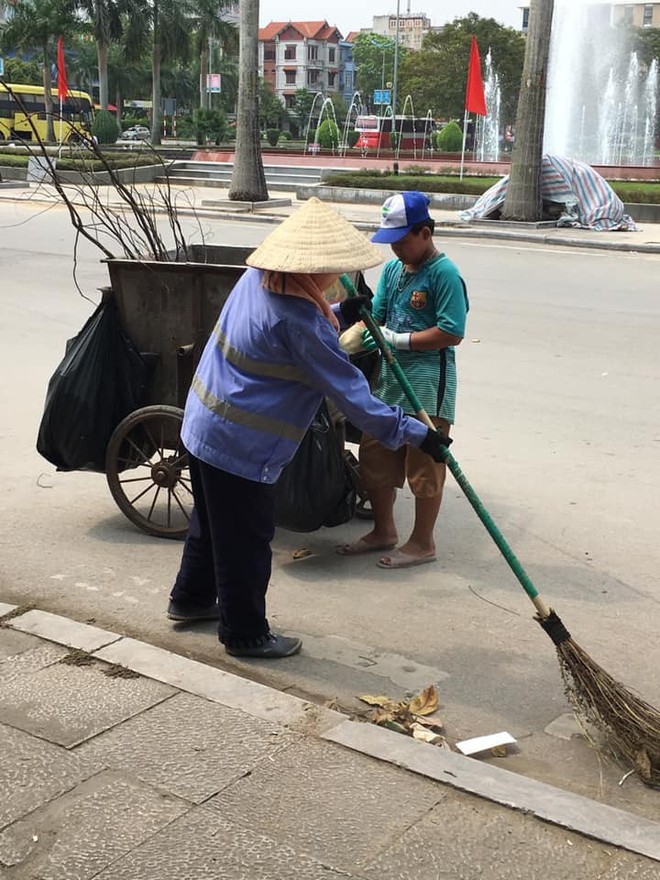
36	25
248	181
170	24
209	26
523	200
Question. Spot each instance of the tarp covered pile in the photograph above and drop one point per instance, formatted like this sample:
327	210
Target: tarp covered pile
589	202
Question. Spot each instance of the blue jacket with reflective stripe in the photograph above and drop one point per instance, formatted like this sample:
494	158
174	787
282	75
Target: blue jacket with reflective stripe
267	366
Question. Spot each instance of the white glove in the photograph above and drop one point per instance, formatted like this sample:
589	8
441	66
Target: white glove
399	341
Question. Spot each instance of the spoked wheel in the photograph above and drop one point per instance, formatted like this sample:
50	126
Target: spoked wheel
147	470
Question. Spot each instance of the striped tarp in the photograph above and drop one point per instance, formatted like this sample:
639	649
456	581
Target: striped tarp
588	199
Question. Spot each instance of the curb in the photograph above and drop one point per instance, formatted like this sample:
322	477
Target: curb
573	812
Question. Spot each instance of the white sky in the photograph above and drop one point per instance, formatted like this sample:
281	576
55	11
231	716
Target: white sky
348	15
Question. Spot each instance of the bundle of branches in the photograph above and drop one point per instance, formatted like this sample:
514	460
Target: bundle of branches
130	227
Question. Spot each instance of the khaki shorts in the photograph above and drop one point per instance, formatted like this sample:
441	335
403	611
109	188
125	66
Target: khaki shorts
382	468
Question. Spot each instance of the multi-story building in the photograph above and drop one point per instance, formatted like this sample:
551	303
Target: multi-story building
619	12
347	69
412	26
300	55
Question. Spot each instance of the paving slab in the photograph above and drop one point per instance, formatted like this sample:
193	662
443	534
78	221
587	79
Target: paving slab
68	704
5	608
188	746
86	829
13	643
548	803
465	838
204	845
337	806
33	772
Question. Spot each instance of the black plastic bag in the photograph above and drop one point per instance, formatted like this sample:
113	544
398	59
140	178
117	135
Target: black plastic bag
101	379
315	489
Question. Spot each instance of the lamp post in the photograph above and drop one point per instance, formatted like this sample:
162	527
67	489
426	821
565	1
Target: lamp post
396	63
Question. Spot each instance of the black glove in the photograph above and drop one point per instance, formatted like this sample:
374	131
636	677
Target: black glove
435	444
350	308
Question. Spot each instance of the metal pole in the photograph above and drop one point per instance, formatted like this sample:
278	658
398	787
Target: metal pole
382	84
396	64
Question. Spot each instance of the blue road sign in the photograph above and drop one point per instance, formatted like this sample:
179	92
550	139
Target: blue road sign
382	96
2	67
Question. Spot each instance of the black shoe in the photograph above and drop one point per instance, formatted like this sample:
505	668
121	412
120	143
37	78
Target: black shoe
272	647
192	613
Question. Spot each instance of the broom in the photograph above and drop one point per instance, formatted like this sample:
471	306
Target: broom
629	724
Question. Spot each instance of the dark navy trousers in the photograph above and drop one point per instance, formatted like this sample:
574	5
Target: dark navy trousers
227	552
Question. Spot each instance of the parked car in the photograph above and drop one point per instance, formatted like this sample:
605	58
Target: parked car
137	133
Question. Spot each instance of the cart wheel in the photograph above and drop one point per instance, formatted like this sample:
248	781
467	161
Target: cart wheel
146	467
363	507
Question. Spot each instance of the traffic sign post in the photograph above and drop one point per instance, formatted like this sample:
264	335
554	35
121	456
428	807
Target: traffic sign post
382	96
2	67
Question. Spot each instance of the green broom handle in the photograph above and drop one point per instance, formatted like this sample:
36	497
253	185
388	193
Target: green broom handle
510	557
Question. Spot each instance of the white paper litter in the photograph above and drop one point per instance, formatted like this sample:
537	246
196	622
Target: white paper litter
483	743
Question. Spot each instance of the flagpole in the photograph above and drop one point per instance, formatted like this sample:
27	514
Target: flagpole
465	128
59	154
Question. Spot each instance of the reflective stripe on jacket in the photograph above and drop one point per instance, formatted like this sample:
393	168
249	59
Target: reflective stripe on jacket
262	376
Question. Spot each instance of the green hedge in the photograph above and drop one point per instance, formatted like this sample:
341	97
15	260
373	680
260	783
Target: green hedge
628	191
66	163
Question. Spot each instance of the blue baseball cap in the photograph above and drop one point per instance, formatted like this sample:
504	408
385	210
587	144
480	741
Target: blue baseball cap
399	214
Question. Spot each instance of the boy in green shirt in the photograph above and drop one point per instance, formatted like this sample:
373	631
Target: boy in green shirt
422	303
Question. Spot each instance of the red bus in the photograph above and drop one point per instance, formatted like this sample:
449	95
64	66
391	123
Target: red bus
375	132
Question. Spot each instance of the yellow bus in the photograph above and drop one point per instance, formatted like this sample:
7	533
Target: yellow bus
15	121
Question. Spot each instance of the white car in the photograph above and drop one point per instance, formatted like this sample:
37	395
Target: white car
137	133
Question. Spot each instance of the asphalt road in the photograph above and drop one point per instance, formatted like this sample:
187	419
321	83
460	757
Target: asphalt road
558	430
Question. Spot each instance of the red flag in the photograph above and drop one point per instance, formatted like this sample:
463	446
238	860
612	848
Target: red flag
62	85
475	100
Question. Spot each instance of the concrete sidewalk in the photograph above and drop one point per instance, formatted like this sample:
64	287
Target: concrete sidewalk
122	760
204	202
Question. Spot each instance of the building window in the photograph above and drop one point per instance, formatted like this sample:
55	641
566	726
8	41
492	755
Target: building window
290	102
331	55
290	53
525	20
269	53
331	79
312	77
312	53
648	15
290	77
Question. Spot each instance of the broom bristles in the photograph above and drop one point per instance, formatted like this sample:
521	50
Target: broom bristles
630	725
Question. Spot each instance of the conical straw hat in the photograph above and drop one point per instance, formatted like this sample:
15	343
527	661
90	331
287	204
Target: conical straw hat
315	239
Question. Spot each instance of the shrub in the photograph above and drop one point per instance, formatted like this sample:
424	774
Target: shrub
273	136
449	139
286	135
205	125
105	127
328	135
352	137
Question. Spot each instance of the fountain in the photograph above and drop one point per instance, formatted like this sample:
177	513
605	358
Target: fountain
359	110
408	100
601	101
317	95
428	134
488	127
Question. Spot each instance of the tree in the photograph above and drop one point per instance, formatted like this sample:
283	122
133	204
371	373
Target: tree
436	75
170	25
302	107
248	181
272	111
107	23
210	26
374	61
19	71
523	193
36	25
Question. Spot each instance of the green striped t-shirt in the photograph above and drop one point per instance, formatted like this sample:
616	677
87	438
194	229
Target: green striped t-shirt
434	296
